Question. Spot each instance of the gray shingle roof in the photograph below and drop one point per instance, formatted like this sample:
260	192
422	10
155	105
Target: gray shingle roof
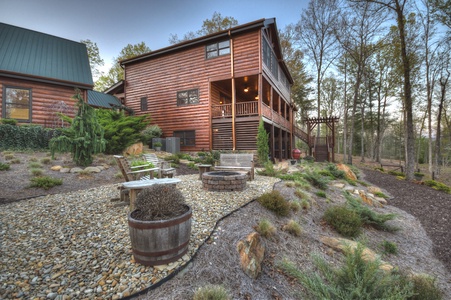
25	52
99	99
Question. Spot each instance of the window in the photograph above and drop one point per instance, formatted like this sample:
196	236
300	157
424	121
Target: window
218	49
17	104
188	97
187	138
143	103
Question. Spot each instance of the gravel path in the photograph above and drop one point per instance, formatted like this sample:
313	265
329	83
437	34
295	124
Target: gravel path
76	245
432	208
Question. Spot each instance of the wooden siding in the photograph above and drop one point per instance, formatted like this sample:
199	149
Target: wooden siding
246	54
161	77
44	99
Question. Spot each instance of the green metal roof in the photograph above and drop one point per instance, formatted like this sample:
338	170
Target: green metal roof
99	99
28	53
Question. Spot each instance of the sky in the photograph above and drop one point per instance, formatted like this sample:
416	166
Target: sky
113	24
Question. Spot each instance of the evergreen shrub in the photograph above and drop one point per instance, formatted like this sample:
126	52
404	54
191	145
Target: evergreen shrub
32	137
275	202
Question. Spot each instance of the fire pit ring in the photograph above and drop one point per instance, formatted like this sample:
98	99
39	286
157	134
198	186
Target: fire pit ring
224	181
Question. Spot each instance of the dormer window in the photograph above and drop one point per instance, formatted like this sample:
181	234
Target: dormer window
217	49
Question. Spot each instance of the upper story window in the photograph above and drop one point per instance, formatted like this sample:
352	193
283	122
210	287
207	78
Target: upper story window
218	49
17	104
270	59
188	97
144	104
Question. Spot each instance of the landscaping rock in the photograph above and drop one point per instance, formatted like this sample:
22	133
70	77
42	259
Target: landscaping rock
56	168
348	172
92	169
252	252
65	170
134	149
343	245
76	170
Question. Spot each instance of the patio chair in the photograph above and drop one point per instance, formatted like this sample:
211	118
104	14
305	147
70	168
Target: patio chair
165	169
132	173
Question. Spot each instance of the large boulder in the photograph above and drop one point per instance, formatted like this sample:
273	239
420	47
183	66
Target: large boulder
348	172
134	149
252	252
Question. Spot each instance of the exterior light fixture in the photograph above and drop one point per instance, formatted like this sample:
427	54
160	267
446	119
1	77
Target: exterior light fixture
246	89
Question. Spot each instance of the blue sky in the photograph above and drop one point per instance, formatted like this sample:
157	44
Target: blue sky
113	24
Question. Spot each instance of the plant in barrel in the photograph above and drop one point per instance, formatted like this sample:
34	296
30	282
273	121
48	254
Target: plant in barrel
160	226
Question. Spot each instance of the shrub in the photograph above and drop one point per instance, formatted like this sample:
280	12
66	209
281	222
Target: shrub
389	247
344	220
15	161
370	217
292	227
45	160
396	173
33	159
12	122
36	172
275	203
192	165
305	204
9	156
262	143
266	228
34	165
159	202
174	158
32	137
269	170
425	287
211	292
321	194
295	206
355	279
438	186
121	130
150	132
45	182
309	159
316	180
4	167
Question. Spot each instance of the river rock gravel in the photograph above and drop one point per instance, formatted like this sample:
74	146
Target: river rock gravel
76	245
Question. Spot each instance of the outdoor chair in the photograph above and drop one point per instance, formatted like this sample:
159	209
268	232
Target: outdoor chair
165	169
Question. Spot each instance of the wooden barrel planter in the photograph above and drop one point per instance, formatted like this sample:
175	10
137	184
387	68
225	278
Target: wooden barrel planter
160	242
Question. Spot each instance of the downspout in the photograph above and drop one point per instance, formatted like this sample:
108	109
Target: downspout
232	71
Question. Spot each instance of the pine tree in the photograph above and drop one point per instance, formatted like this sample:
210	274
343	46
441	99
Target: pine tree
85	136
262	143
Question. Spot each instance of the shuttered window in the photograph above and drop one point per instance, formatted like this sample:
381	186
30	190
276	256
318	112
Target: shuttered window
17	104
187	137
188	97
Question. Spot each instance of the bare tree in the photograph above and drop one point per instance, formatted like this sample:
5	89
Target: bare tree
315	31
357	34
398	7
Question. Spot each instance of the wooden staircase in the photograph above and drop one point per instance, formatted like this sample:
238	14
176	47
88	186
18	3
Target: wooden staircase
321	153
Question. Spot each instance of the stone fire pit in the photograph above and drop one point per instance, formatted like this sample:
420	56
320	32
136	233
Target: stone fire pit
224	181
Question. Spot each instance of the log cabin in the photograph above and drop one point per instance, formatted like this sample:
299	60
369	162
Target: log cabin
212	91
39	74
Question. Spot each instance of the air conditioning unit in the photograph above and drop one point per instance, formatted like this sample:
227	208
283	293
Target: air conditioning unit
173	145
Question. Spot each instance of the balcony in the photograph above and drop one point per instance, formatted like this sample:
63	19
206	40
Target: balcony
248	109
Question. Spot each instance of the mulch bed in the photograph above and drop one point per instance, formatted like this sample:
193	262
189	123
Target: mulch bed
432	208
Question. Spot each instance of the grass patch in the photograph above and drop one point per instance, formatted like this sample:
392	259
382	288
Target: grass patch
45	182
15	161
316	180
269	170
36	172
211	292
45	160
355	279
396	173
381	195
34	165
274	202
321	194
266	228
389	247
295	206
293	228
4	167
9	156
118	175
425	287
305	204
438	186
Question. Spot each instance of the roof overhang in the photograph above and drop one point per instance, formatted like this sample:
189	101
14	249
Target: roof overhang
45	80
